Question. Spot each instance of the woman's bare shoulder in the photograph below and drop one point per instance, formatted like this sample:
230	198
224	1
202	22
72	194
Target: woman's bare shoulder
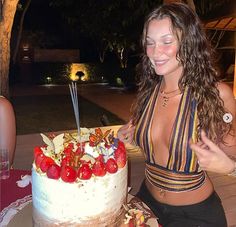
226	94
5	103
226	91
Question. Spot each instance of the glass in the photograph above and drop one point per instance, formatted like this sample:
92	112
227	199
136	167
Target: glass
4	164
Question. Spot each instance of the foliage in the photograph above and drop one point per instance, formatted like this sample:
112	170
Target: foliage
59	73
111	25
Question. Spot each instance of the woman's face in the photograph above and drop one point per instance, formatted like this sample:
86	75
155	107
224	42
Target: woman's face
162	47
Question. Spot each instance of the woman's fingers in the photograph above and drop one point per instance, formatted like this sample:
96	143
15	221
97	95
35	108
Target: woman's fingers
126	133
198	148
213	158
129	136
209	143
202	152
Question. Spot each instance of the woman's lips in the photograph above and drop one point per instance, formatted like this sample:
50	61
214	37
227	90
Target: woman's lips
160	62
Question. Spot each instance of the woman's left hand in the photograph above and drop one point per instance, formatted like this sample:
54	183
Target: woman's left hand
211	157
126	133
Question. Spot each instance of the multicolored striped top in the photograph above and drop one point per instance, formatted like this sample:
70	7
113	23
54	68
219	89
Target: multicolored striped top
182	172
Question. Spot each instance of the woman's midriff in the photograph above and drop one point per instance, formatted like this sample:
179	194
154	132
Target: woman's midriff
181	198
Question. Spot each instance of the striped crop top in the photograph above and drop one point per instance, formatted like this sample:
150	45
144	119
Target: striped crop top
182	172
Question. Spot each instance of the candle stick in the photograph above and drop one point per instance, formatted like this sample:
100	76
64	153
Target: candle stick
74	98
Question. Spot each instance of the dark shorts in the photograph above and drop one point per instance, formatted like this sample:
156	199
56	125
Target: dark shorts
208	213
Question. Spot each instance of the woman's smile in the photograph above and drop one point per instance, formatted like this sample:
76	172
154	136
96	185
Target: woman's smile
162	47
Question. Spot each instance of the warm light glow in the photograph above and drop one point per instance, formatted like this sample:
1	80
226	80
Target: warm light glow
76	67
49	79
73	77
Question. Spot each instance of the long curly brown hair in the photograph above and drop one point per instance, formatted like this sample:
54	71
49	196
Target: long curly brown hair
199	70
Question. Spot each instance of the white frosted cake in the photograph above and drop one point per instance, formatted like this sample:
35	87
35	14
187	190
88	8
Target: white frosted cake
79	184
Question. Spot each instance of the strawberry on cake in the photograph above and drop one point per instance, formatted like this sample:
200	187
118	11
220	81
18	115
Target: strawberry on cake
79	183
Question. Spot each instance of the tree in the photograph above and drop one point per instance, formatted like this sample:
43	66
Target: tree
9	8
111	25
14	55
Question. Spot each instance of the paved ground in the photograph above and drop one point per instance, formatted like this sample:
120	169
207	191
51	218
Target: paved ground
115	100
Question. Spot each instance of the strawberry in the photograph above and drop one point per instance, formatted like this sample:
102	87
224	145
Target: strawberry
71	146
66	161
120	149
68	150
91	144
53	171
84	162
84	172
37	150
79	151
111	165
39	158
46	162
121	160
68	174
120	155
99	168
132	223
121	146
100	158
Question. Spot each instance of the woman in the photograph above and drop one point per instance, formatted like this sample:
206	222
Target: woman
7	127
179	95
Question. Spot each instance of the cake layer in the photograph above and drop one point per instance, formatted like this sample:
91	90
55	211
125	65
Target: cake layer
97	200
111	220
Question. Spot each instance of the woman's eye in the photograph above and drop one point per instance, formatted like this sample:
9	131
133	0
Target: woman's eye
167	42
149	43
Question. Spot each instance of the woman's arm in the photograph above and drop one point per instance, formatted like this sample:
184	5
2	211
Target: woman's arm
214	158
229	145
7	127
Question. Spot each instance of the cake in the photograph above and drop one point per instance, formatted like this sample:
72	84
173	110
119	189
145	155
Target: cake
79	183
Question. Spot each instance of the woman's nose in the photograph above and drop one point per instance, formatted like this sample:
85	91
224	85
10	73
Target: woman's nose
157	50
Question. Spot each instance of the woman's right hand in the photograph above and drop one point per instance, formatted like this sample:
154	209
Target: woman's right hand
126	133
211	157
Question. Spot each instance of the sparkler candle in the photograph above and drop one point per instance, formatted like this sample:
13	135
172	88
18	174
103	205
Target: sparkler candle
74	98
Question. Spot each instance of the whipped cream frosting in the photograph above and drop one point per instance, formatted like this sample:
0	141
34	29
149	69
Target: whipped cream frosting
80	201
